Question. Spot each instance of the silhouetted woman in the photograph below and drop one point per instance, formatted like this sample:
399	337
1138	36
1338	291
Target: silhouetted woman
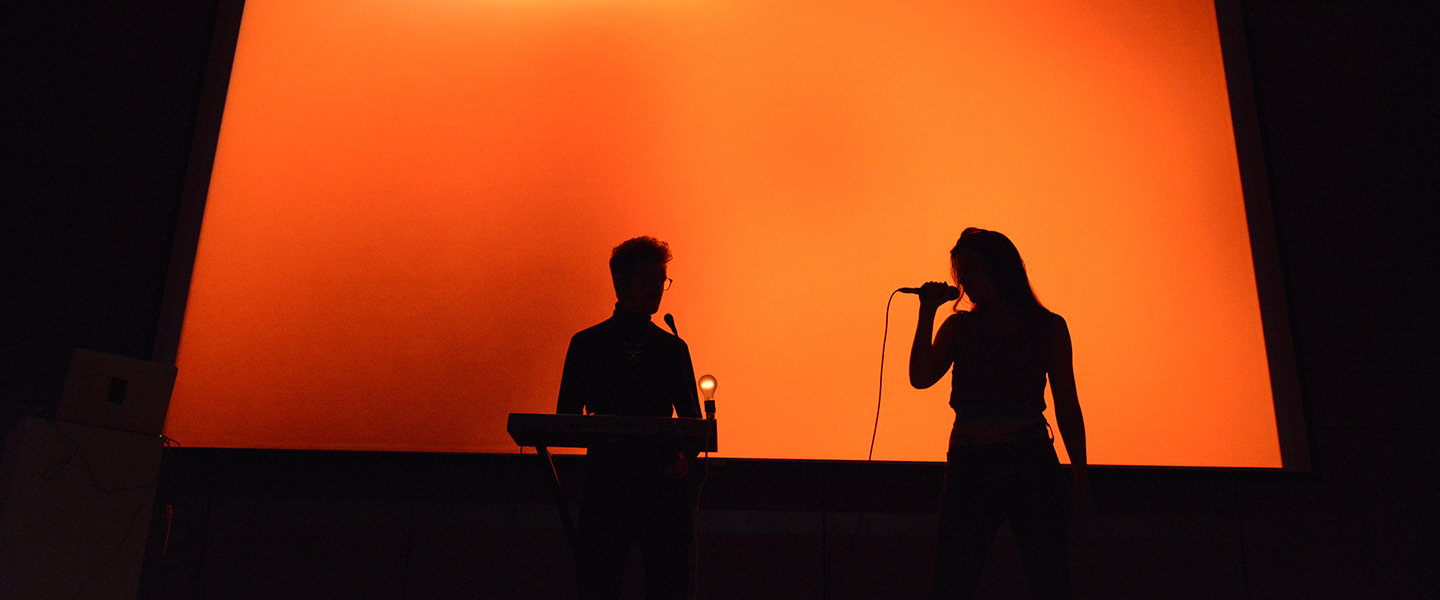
1001	463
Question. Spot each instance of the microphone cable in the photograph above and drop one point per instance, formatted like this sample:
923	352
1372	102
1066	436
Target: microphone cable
880	394
874	430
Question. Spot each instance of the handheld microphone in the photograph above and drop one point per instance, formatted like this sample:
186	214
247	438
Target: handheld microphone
670	320
951	292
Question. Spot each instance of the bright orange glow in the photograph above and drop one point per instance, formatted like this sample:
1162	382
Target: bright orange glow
413	203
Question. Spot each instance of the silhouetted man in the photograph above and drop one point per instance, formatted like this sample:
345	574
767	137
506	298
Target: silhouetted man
633	495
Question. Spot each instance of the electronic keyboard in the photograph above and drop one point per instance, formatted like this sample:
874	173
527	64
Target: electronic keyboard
591	431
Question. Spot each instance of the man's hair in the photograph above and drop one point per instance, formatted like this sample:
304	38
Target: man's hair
636	253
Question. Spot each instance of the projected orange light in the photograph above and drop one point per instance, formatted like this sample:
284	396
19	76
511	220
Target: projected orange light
412	206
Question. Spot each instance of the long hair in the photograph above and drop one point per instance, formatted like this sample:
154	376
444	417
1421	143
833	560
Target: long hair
1002	263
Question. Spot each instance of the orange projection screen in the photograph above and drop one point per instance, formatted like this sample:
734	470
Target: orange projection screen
412	205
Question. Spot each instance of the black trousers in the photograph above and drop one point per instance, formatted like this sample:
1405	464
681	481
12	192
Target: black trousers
629	506
985	485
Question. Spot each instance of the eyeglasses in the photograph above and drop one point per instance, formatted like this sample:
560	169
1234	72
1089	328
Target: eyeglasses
646	282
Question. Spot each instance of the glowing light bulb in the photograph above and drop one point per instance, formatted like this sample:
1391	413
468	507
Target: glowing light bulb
707	386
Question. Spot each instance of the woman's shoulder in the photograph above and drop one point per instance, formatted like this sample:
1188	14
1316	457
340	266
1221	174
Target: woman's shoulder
959	317
1043	322
1056	328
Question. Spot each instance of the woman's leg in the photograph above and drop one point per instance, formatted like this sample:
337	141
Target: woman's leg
1040	519
971	510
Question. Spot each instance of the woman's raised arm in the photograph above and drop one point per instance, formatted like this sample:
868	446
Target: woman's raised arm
930	360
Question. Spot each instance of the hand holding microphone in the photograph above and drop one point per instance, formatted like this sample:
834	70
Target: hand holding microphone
934	293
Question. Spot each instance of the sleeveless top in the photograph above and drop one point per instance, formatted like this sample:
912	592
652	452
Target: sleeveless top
1001	376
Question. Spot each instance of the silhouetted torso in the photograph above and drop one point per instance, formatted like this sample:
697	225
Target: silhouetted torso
628	366
1000	371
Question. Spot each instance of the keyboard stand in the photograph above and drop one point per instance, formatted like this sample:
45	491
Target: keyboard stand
583	431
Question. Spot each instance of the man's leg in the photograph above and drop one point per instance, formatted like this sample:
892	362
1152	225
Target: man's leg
604	545
668	547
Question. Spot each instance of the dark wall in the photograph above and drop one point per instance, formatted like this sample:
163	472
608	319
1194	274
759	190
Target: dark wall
100	105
